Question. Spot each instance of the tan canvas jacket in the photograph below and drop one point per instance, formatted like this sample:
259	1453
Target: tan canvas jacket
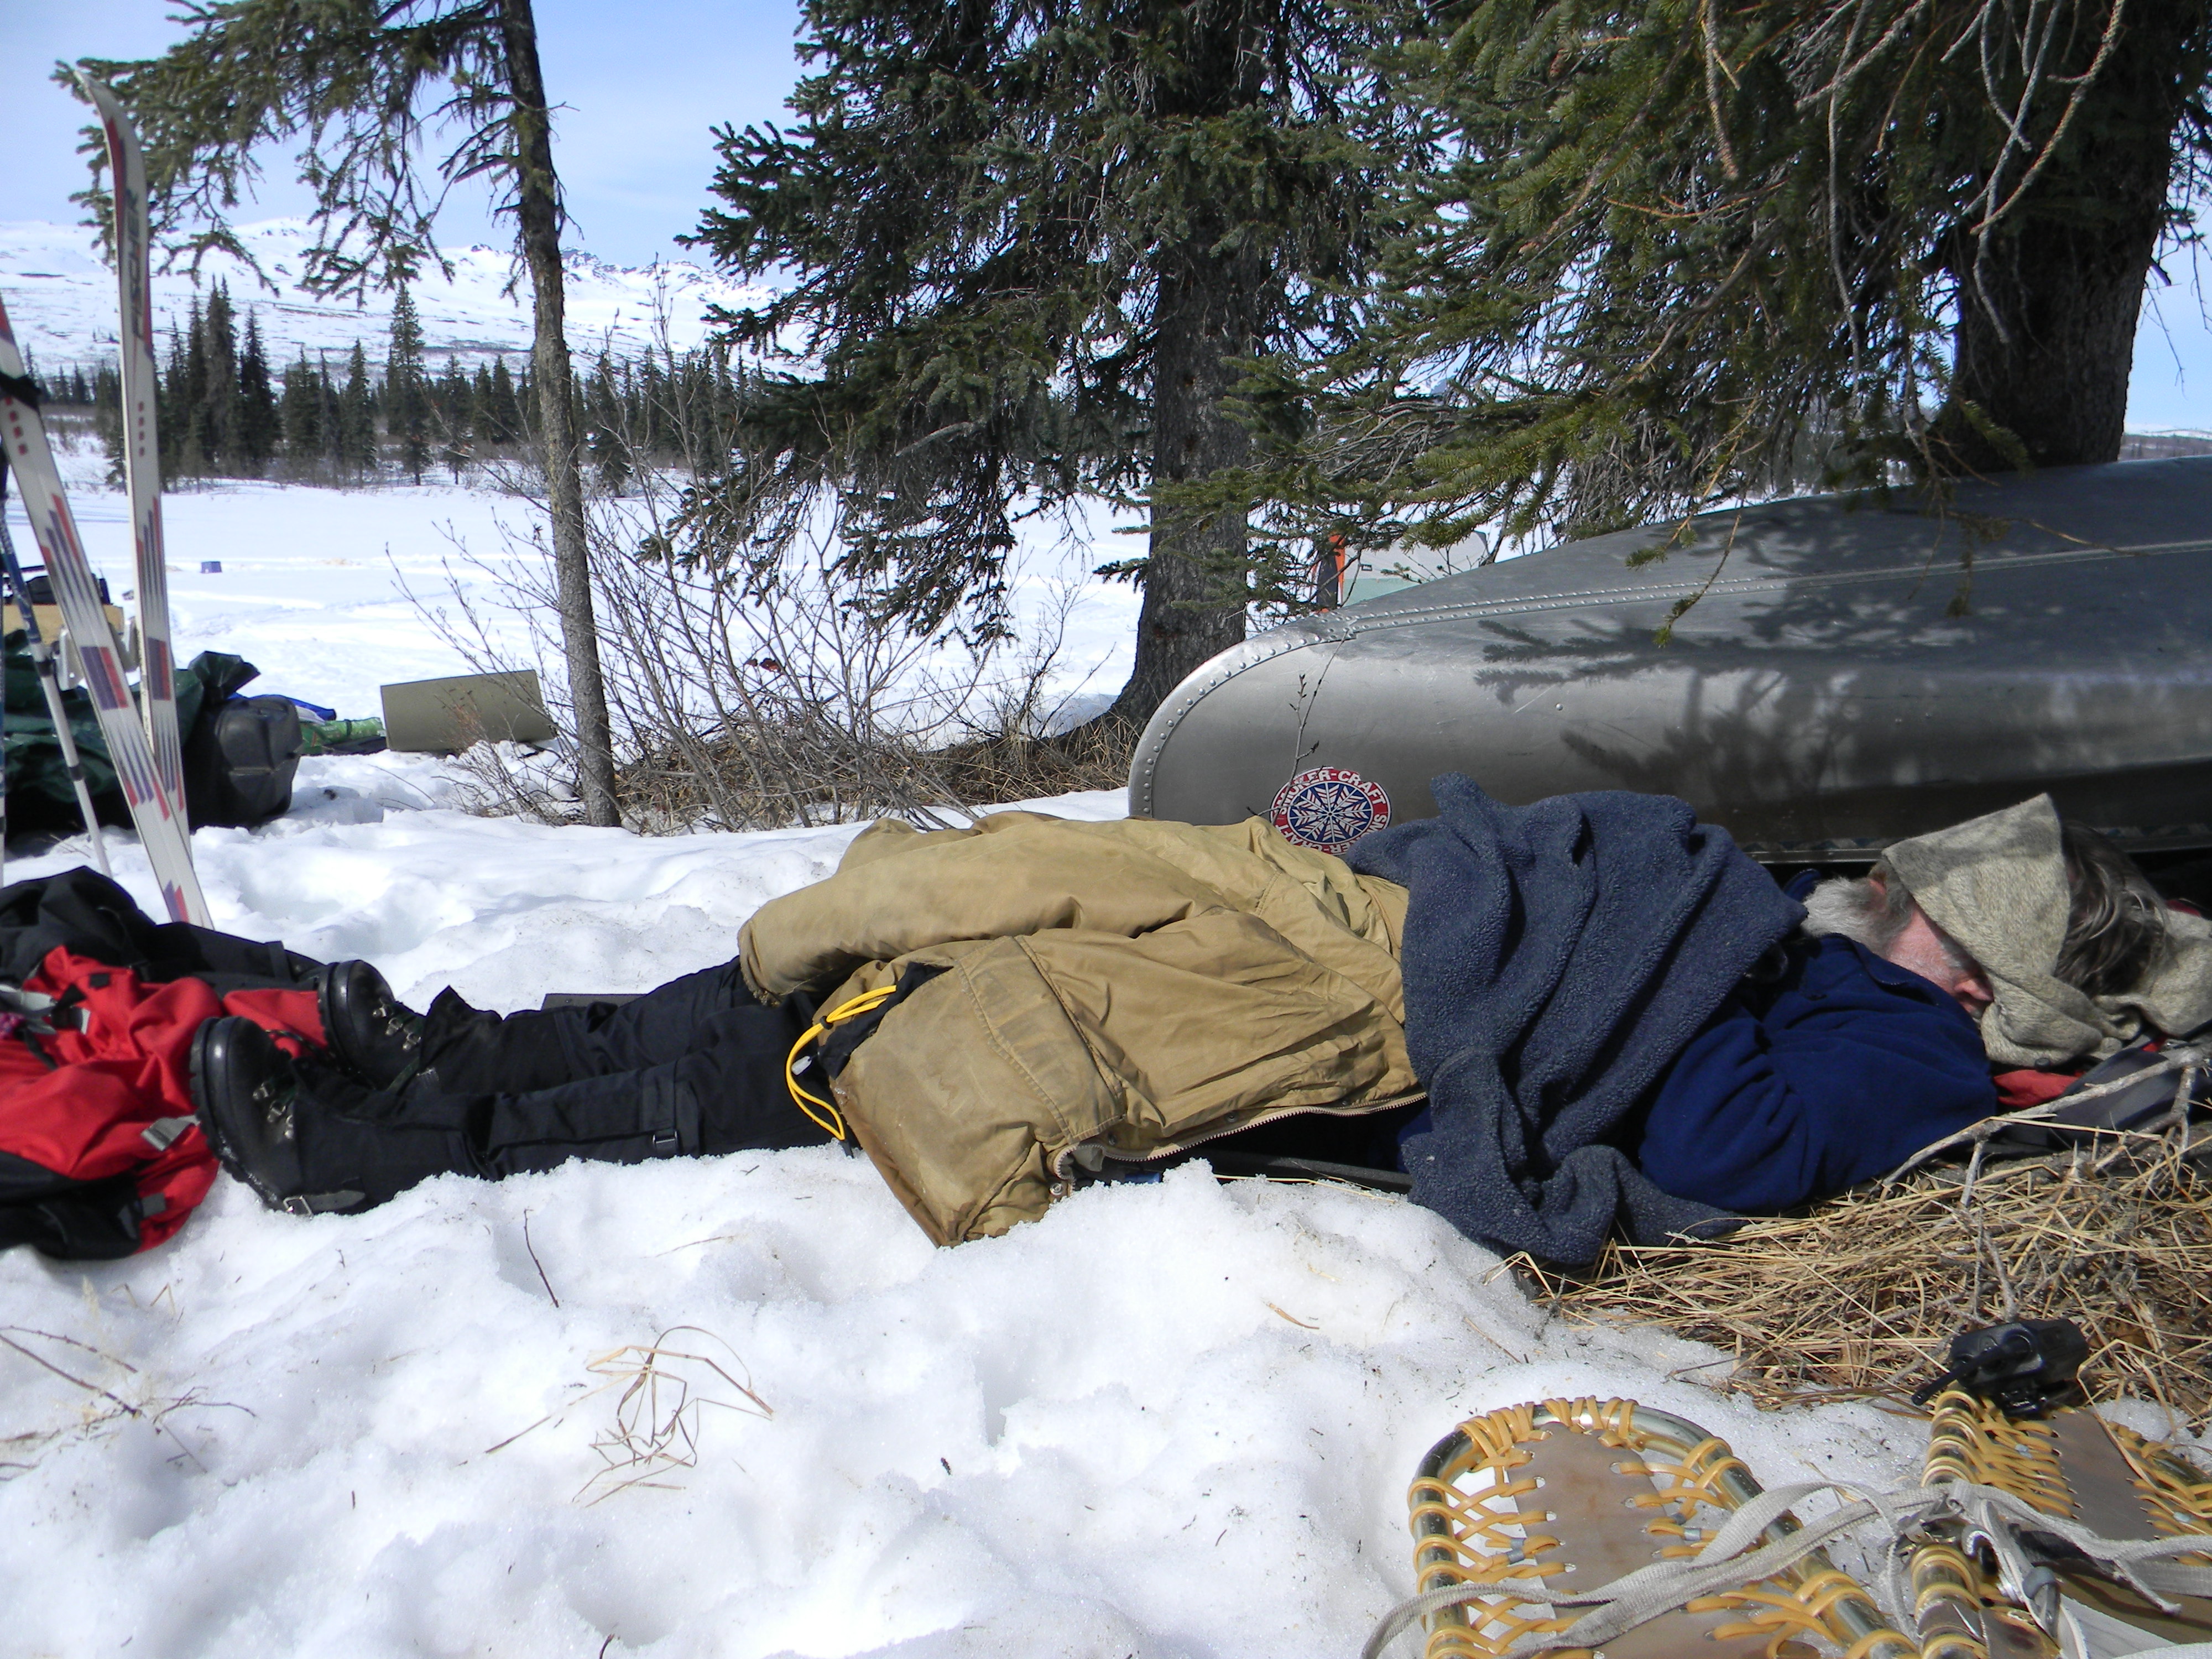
1113	991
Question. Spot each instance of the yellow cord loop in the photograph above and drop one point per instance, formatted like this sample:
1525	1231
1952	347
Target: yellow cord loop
813	1105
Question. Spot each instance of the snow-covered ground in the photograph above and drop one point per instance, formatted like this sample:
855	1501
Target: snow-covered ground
1174	1420
315	586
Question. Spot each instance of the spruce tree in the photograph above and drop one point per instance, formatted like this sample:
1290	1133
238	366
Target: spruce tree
352	86
605	428
1029	245
301	413
329	420
217	418
259	426
506	408
481	424
1682	254
406	396
189	393
107	418
450	404
356	417
169	406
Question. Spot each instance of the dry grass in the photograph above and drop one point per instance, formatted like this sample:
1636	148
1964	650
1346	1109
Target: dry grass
808	771
989	770
656	1428
124	1394
1861	1297
661	1393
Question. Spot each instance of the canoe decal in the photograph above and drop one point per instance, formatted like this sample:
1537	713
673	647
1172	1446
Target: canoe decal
1329	808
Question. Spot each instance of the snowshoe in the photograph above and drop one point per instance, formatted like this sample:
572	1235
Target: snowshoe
2074	1466
1598	1489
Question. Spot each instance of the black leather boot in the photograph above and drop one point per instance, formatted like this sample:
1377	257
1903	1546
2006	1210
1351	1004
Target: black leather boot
371	1033
247	1090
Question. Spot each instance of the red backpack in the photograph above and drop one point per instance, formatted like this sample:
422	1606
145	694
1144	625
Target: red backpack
99	1153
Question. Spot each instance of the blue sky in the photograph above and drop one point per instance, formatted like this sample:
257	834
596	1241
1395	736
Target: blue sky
643	82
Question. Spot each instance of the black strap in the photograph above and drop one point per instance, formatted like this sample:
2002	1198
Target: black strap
30	1036
23	388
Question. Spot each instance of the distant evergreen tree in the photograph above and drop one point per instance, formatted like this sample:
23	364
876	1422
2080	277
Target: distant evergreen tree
189	397
168	409
656	418
328	418
506	407
406	398
356	421
107	417
451	403
480	404
299	411
216	422
259	425
605	429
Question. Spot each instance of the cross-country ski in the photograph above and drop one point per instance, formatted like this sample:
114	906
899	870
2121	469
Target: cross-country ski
161	827
142	458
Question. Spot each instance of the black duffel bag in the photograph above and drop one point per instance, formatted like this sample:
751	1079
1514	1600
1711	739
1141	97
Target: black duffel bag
240	753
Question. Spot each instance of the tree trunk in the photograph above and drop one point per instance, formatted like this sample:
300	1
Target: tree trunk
1205	318
538	208
2044	347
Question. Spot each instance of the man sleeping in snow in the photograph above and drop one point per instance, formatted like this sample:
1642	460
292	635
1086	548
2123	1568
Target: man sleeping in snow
1587	1013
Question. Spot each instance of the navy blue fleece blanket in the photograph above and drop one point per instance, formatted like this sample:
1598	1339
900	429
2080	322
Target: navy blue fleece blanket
1557	957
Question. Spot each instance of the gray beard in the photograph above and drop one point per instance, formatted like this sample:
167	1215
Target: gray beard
1849	906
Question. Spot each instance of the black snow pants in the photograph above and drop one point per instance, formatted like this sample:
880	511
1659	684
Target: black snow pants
693	1068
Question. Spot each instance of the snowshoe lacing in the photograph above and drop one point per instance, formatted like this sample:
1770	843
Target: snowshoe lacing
1974	1442
1491	1572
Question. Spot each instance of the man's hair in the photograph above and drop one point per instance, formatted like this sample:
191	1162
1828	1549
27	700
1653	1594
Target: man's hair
2115	920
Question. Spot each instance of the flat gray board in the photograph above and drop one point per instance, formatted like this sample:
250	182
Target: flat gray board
443	717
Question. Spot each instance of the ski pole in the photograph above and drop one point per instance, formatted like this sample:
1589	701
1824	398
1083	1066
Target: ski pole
42	658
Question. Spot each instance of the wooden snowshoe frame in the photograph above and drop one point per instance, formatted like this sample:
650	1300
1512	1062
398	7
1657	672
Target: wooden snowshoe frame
1616	1485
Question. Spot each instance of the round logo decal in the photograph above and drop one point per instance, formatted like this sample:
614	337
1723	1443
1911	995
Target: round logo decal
1329	808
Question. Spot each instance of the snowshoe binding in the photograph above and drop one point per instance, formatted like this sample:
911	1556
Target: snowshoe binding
2034	1593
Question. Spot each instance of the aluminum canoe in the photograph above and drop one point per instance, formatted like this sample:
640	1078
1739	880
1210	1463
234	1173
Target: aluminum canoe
1852	669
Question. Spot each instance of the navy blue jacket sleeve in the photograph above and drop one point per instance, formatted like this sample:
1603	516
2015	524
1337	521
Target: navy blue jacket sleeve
1795	1092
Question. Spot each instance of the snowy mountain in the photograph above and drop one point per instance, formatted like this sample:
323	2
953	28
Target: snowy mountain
61	298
